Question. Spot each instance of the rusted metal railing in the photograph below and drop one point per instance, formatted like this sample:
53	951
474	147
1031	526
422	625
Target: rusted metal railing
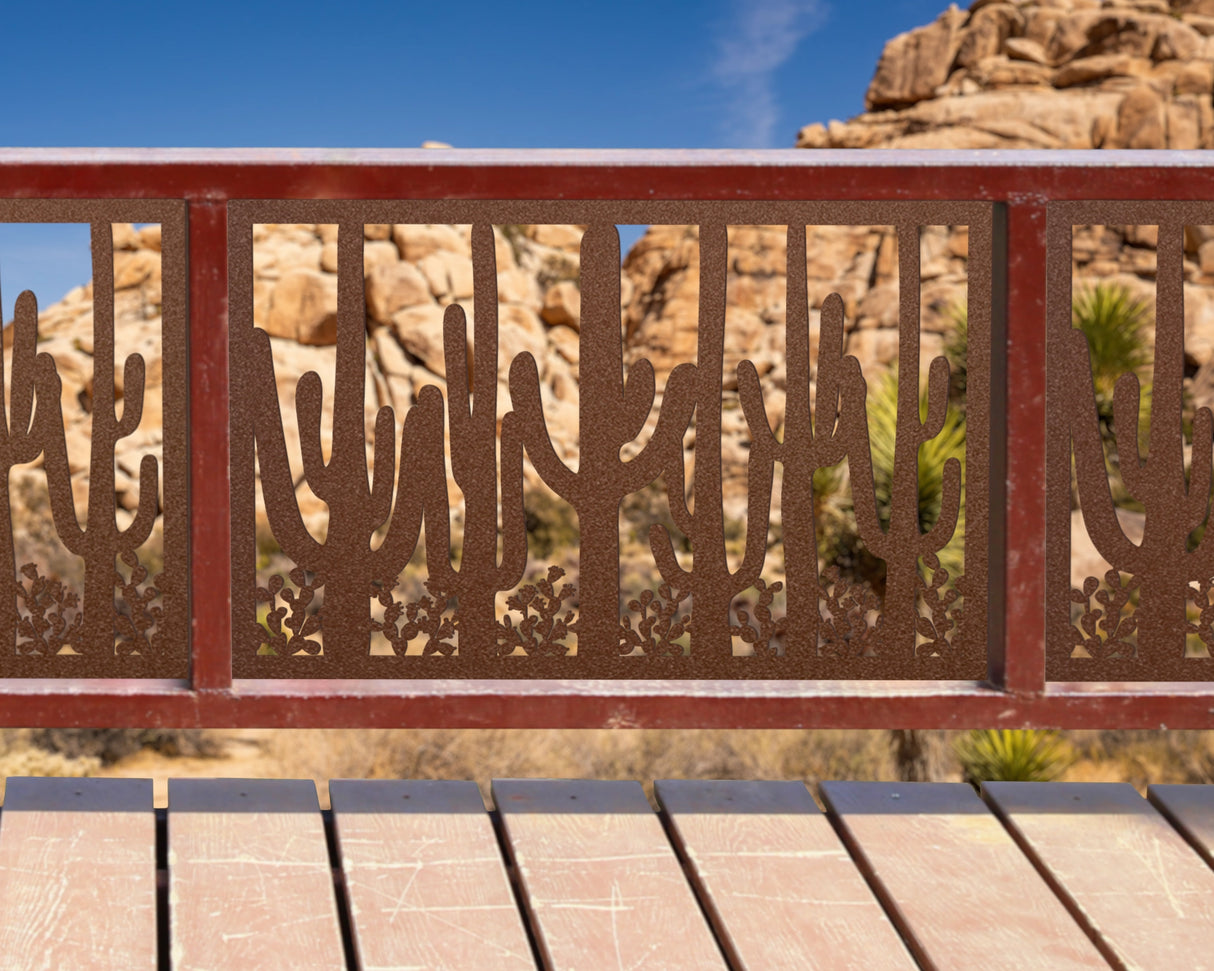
1010	643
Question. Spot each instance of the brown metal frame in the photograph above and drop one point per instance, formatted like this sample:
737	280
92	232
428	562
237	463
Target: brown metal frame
892	658
1024	188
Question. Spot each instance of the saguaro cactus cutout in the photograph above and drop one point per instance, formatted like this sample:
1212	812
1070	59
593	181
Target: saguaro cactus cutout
101	541
902	543
359	504
1162	563
813	437
474	463
21	438
711	582
611	412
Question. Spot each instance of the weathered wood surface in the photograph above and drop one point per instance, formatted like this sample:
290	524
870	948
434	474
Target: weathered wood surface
250	884
1190	809
78	875
775	879
1122	868
600	879
949	874
425	877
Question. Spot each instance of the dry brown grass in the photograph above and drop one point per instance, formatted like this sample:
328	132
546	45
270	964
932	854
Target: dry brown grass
1137	757
643	755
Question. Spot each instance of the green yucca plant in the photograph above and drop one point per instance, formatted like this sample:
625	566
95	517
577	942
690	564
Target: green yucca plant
1004	755
933	454
1114	321
838	541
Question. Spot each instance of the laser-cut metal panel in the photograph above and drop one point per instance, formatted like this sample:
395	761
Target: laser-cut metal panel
117	615
689	624
1148	617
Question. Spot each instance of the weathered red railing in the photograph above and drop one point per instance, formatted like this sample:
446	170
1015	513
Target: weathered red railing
1019	206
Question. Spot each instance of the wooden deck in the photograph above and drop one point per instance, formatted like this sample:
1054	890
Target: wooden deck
585	875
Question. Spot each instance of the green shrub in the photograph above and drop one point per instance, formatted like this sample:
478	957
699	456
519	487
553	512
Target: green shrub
1004	755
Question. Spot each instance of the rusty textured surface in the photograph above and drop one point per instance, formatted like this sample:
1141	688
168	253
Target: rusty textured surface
1133	622
210	539
50	627
1025	651
345	568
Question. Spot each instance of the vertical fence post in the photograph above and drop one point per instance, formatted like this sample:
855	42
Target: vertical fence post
210	521
1017	659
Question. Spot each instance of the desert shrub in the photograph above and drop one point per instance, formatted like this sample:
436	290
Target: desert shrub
1005	755
552	525
108	745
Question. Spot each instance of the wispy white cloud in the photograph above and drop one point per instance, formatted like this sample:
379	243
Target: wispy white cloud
753	41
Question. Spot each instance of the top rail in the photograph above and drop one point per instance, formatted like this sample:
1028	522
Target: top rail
219	174
1028	647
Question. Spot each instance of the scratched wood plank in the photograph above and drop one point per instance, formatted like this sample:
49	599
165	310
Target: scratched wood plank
425	877
250	884
600	879
1120	866
952	878
78	875
1191	810
775	879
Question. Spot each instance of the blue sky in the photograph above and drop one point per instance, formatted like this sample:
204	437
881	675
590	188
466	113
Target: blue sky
625	74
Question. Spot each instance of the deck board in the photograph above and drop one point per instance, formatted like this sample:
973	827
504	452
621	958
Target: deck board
776	880
1122	867
250	884
78	875
601	881
1190	809
963	893
426	881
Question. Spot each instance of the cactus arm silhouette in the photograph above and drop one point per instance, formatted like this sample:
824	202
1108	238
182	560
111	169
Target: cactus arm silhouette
750	393
278	484
712	583
360	502
902	542
379	502
22	433
813	438
1127	400
101	541
425	496
1162	562
611	411
1091	476
475	462
528	405
1197	498
937	400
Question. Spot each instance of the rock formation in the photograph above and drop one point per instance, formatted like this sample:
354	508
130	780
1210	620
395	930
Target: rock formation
1041	74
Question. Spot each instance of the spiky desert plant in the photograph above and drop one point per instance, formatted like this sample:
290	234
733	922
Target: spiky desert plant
935	454
1114	322
1008	755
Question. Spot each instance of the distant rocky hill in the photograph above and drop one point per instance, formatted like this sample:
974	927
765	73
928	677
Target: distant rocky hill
1041	74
